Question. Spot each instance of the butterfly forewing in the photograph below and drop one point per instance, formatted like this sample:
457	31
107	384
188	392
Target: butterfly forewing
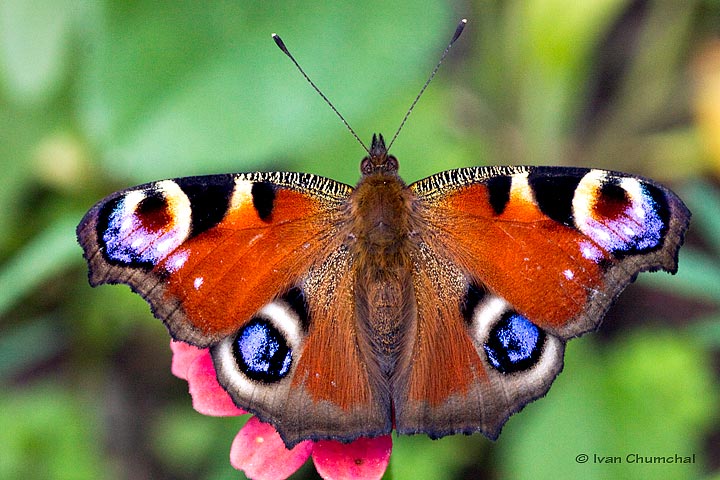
559	244
208	252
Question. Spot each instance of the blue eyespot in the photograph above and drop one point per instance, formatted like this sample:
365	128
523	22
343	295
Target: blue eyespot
261	351
514	344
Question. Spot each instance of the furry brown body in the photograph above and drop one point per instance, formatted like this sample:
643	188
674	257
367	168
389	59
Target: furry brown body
381	213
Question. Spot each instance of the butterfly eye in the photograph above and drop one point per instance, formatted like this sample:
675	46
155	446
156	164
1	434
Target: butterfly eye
514	343
262	352
392	164
366	166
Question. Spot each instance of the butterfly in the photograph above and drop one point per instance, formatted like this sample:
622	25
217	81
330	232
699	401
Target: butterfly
333	312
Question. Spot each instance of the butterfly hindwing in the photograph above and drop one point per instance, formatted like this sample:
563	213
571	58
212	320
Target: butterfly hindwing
462	377
321	387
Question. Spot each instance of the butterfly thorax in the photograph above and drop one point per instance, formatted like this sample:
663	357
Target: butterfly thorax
380	206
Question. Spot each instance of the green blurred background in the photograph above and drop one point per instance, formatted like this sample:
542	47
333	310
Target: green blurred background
98	96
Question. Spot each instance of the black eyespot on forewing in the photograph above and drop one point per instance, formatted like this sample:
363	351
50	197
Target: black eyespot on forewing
209	199
554	193
612	201
263	195
499	188
262	352
514	344
630	216
473	297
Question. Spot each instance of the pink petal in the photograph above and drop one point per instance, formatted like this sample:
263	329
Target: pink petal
183	355
209	398
365	458
259	451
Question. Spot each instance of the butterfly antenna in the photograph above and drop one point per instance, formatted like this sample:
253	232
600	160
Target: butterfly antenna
281	45
458	31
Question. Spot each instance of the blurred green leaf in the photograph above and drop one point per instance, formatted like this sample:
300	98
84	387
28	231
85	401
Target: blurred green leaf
185	440
549	64
703	200
49	253
46	433
20	134
14	342
417	456
698	277
707	330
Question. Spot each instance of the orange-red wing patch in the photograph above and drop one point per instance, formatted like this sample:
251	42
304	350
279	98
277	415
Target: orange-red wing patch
227	273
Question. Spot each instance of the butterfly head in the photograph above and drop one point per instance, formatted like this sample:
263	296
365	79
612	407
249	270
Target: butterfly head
378	160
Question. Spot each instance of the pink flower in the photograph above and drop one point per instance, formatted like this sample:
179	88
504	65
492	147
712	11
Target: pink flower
258	449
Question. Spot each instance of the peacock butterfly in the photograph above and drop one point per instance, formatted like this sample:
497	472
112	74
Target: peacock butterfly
438	307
